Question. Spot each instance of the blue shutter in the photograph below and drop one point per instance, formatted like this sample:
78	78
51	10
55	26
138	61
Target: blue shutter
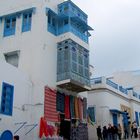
7	99
26	22
9	26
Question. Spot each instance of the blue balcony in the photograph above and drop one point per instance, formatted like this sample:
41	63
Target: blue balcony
72	65
67	21
68	8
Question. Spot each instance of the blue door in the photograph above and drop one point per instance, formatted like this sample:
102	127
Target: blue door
6	135
137	118
115	119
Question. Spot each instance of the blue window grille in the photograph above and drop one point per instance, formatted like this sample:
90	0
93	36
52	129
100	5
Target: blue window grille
7	99
9	26
26	22
71	63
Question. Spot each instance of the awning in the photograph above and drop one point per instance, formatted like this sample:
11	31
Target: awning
81	23
116	111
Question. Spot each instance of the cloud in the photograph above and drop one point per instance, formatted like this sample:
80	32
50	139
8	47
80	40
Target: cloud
115	43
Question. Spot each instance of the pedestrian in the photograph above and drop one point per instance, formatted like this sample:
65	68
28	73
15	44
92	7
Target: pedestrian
99	133
132	130
16	137
135	129
119	131
139	133
105	133
115	132
110	132
126	134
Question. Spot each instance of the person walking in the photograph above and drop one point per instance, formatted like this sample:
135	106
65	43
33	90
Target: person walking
110	132
135	129
105	133
119	131
99	133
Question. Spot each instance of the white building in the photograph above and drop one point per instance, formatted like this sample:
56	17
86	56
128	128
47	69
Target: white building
48	41
111	97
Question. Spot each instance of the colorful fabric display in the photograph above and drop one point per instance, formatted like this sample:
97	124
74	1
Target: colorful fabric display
84	108
76	108
50	112
43	128
67	107
60	102
72	107
80	108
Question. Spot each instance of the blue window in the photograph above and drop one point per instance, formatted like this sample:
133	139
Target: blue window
91	113
9	26
26	23
7	99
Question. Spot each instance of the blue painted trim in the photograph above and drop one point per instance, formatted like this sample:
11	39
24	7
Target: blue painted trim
116	111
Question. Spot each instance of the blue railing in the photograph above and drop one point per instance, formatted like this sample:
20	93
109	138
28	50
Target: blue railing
135	94
79	34
112	84
123	90
96	80
69	28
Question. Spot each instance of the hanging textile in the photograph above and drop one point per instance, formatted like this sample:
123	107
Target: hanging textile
84	108
65	128
76	108
60	102
80	108
50	112
67	107
43	128
72	107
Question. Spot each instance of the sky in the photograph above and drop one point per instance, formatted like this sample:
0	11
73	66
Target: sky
115	41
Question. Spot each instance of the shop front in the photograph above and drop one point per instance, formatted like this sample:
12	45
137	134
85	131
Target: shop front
65	116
